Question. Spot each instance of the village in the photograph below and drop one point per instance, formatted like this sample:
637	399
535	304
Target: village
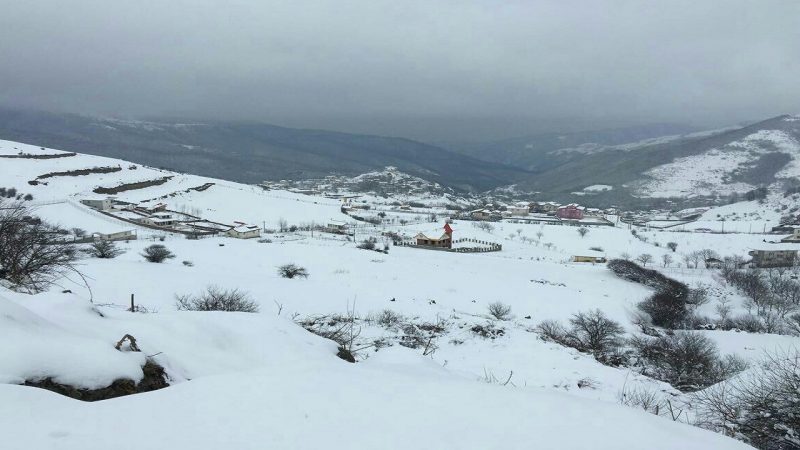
370	221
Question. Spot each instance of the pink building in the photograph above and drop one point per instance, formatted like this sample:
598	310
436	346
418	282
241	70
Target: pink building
571	211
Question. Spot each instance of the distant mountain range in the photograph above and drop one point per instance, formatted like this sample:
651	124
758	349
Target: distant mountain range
698	164
612	166
251	152
540	152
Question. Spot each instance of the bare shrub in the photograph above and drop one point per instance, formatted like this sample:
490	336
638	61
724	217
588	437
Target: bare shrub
687	360
640	397
215	298
500	311
668	306
672	246
388	318
590	332
760	407
368	244
593	332
157	253
583	231
552	331
104	250
292	271
341	329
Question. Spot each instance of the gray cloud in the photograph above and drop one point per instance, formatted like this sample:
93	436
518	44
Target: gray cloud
433	70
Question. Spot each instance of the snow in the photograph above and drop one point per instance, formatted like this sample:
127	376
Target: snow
261	381
711	172
598	188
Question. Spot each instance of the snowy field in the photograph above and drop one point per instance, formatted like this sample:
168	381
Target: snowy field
261	381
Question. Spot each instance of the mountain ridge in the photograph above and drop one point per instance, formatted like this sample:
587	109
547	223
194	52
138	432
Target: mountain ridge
251	152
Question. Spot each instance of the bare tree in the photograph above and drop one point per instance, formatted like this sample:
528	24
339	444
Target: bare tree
583	231
666	259
485	226
672	246
645	258
706	255
33	253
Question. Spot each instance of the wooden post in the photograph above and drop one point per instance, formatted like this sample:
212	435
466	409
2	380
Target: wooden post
133	307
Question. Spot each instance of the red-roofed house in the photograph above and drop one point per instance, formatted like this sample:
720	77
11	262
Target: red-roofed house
571	212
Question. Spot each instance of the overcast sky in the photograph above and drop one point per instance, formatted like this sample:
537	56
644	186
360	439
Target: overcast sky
429	69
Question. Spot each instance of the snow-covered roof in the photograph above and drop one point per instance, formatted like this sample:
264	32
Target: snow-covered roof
245	228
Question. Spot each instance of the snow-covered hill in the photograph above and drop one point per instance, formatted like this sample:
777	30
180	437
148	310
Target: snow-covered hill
733	167
262	381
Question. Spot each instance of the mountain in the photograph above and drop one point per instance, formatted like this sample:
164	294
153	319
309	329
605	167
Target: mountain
725	161
540	152
251	152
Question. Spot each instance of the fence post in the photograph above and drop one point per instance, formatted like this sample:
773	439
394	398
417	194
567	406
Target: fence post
133	307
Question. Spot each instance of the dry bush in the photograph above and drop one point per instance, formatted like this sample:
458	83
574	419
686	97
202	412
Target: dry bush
157	253
292	271
590	332
760	407
104	250
215	298
687	360
593	332
500	311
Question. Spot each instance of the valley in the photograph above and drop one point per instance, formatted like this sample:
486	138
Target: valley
427	328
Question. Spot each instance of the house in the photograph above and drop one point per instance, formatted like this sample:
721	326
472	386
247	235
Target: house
244	231
548	207
713	263
481	214
570	212
519	209
159	219
158	207
336	228
594	212
773	258
99	204
443	241
128	235
589	259
794	237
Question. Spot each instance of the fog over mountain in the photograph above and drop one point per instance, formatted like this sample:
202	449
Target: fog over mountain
431	71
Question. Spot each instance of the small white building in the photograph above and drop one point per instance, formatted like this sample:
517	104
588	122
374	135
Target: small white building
128	235
243	231
100	204
159	219
519	209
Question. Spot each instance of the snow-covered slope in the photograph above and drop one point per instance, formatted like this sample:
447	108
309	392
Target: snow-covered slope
277	386
262	381
720	170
